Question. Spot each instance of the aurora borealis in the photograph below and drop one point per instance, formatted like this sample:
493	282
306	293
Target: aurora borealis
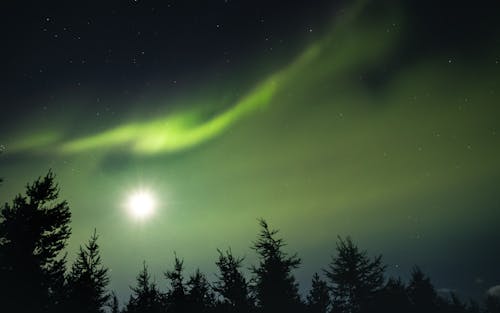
367	119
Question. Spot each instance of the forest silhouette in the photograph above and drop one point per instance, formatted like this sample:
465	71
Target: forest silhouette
35	275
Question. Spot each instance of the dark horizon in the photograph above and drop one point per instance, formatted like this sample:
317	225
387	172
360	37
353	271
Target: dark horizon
37	277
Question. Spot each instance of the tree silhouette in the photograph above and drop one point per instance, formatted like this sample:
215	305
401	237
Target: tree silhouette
421	292
200	297
231	285
146	297
354	278
473	307
492	304
318	299
452	305
176	296
58	296
88	280
33	231
391	299
274	285
114	305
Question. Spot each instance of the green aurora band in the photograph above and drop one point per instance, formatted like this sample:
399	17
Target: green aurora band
181	130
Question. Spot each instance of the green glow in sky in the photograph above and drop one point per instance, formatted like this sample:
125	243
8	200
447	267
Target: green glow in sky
175	132
188	128
348	139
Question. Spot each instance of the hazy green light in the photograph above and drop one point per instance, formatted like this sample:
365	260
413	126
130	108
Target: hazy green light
174	132
186	129
34	141
336	52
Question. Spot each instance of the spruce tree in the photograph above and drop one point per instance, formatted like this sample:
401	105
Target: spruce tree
473	307
391	299
200	297
88	280
145	297
421	292
318	299
231	285
114	305
274	285
34	230
492	304
354	278
58	295
176	295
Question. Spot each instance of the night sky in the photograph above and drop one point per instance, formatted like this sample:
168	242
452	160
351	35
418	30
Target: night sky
378	120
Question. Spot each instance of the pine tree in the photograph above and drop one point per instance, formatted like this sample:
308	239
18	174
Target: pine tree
452	305
274	285
88	280
421	292
354	278
146	297
200	297
318	299
391	299
176	296
58	295
114	305
34	230
492	304
473	307
231	285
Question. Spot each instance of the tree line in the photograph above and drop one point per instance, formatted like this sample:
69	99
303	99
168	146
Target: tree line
35	276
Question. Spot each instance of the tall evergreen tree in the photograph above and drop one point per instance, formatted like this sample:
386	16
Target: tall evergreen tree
58	296
354	278
200	297
274	285
231	285
318	299
34	230
146	297
177	295
114	306
492	304
88	280
421	292
473	307
452	305
391	299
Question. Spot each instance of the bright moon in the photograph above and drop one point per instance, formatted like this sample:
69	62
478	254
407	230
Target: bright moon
141	204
